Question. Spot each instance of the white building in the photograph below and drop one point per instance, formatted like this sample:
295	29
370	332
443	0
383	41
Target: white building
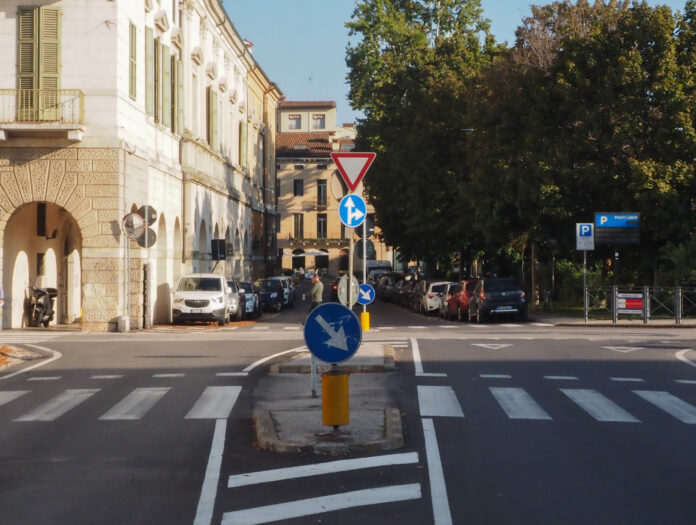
106	106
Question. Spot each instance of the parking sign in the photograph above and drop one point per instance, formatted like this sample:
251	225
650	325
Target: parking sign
584	236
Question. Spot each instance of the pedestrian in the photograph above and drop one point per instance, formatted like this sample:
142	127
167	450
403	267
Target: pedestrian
316	293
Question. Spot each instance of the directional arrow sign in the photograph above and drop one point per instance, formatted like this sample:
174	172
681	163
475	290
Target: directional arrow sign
352	166
367	294
490	346
352	210
332	333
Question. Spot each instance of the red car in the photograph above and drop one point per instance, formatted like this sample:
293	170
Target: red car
458	301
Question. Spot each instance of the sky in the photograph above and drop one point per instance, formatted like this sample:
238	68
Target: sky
301	44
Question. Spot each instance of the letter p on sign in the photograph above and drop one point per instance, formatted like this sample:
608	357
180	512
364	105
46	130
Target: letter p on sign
603	219
586	230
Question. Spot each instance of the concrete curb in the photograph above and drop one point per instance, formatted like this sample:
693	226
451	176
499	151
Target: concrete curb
288	368
267	437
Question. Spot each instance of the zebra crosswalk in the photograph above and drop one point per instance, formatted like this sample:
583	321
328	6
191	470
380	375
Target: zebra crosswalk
215	402
517	404
29	337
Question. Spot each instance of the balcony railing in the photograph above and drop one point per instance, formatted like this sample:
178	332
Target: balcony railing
29	106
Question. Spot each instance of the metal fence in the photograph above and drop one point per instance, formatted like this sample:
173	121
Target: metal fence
645	302
63	106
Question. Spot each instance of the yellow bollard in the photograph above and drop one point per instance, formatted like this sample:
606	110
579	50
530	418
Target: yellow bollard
365	321
334	398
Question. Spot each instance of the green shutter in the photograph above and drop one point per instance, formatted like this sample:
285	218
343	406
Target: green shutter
166	88
27	61
132	60
149	71
180	98
49	63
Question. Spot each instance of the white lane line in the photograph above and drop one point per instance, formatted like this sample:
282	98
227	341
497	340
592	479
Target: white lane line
400	341
598	406
291	328
168	375
59	405
232	374
330	467
623	349
518	404
416	356
681	355
136	404
438	488
477	326
495	376
446	326
261	361
216	402
322	504
627	379
685	381
6	397
386	328
44	378
542	324
417	327
438	401
55	355
112	376
675	407
561	378
229	328
431	374
260	328
206	503
509	325
491	346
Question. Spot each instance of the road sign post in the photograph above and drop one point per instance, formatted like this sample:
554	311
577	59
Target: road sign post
584	240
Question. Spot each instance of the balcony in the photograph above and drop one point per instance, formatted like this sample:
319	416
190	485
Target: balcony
41	113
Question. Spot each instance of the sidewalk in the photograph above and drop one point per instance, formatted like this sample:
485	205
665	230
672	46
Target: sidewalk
623	321
288	419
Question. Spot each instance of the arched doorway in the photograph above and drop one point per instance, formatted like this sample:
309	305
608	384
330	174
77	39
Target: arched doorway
298	260
343	260
42	246
162	306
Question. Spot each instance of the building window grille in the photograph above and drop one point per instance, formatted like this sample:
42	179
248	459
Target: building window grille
298	187
299	226
321	226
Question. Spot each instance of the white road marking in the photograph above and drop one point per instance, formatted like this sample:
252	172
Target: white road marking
417	327
206	503
260	328
681	355
518	404
136	404
386	328
59	405
477	326
216	402
598	406
232	374
509	325
416	356
431	374
446	326
490	346
322	504
291	328
495	376
627	379
168	375
623	349
439	401
261	361
683	411
542	324
561	378
329	467
685	381
9	337
55	355
114	376
44	378
6	397
438	488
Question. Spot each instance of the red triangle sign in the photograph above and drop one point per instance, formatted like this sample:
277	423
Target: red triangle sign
352	166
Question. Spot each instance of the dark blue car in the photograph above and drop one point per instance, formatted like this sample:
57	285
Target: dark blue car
271	294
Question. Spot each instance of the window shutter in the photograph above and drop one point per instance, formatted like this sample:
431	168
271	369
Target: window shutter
214	122
149	72
132	60
180	98
27	66
166	88
49	62
243	144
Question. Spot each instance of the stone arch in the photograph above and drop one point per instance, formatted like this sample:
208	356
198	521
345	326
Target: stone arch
162	307
177	251
203	244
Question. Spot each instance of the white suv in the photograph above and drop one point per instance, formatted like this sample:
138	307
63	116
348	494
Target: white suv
201	297
288	290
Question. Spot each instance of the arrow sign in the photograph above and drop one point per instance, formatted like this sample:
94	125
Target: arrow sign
352	210
352	166
367	294
332	333
337	338
490	346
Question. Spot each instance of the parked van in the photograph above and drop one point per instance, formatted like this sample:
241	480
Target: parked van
202	297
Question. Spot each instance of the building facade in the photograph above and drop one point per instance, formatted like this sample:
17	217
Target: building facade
310	188
109	106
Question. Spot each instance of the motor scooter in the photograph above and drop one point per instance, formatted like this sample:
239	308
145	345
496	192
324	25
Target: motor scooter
41	306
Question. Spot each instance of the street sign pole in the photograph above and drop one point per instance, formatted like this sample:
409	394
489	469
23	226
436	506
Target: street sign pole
584	281
350	269
364	251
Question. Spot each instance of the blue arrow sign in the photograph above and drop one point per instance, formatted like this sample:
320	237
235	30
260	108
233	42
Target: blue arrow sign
332	333
366	294
352	210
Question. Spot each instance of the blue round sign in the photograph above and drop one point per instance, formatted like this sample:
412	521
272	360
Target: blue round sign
352	210
332	333
366	294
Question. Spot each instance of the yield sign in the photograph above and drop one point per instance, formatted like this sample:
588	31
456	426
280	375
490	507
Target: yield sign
353	166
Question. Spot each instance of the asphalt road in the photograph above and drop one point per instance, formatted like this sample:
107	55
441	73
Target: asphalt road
505	423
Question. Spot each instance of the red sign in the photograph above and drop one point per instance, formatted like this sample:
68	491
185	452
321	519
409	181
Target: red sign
352	166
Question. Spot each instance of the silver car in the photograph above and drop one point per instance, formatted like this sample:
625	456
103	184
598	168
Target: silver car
202	297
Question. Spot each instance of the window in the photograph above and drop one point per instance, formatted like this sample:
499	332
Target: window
194	103
132	64
321	166
299	226
298	187
321	226
295	122
157	81
298	166
321	192
318	121
213	125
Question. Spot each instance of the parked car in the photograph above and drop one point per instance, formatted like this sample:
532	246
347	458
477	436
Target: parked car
288	290
452	288
385	286
458	303
406	292
426	299
496	297
201	297
250	300
271	294
235	311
